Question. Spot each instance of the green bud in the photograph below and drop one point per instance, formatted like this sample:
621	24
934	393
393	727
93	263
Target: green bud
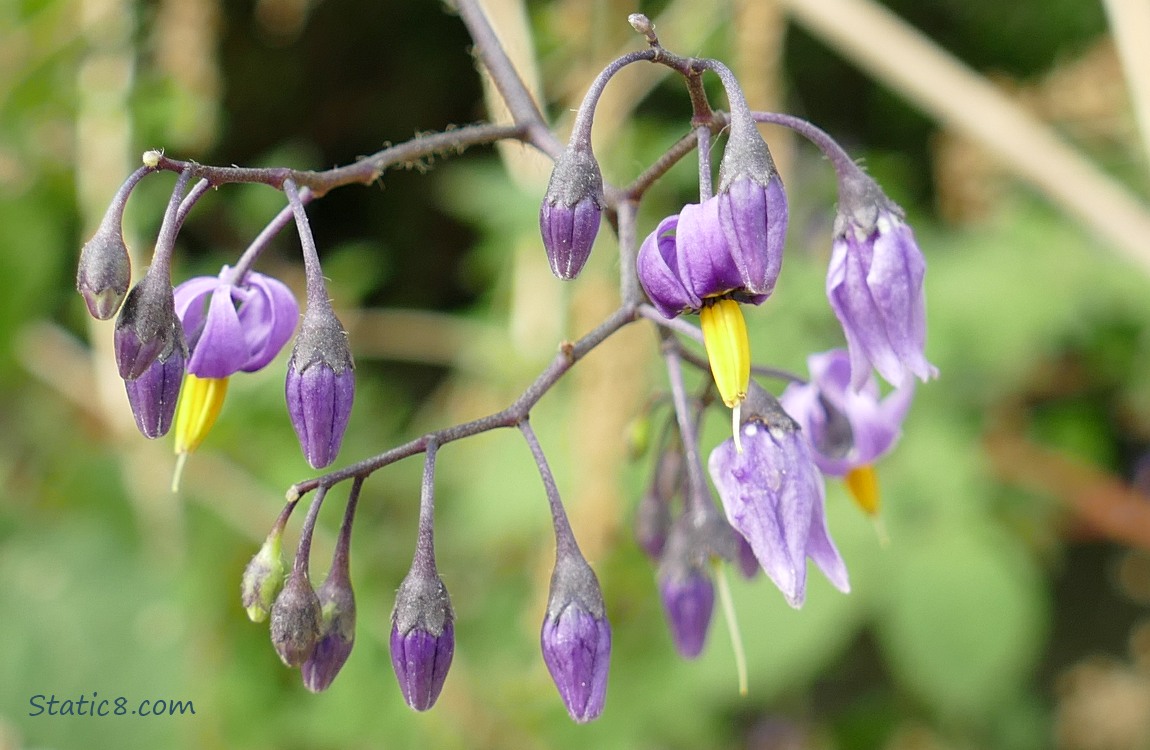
264	577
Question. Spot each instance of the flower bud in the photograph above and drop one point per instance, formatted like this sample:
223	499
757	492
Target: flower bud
685	588
337	634
576	638
653	514
264	577
571	209
153	395
422	636
320	385
296	620
147	326
105	271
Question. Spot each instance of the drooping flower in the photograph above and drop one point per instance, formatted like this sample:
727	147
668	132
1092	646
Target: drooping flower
773	495
849	429
231	325
875	286
234	326
723	251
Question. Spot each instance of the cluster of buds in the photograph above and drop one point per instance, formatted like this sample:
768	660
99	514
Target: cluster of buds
176	349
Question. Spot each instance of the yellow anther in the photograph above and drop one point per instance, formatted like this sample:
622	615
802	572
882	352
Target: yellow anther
196	412
729	352
863	485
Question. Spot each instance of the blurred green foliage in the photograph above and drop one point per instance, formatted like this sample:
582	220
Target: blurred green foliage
958	629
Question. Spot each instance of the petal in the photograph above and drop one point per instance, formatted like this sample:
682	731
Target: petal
706	267
822	549
191	303
754	222
268	314
896	282
657	268
220	349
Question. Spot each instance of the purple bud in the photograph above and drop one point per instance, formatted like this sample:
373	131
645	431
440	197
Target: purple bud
688	601
104	272
570	213
337	634
296	620
147	326
576	638
320	385
153	395
653	514
422	636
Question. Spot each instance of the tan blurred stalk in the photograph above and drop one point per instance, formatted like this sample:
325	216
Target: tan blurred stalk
1130	26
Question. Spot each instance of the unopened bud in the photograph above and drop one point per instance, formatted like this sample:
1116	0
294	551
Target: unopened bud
337	635
320	386
576	638
264	577
153	395
147	327
570	213
422	636
296	620
105	271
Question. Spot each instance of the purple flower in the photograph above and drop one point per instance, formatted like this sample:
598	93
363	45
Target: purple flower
875	286
422	636
576	637
728	245
570	213
847	428
232	327
773	495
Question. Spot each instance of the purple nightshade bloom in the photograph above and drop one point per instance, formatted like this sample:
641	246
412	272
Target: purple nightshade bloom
153	395
233	327
847	428
422	636
337	634
875	286
320	385
571	209
576	637
773	495
728	245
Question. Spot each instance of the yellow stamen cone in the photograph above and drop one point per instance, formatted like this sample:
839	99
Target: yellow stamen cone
729	352
863	485
200	402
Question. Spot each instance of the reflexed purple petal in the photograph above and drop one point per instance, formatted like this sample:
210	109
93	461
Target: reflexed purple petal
688	603
319	403
705	265
754	221
577	651
657	267
268	314
421	661
875	424
191	300
896	283
822	550
220	350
